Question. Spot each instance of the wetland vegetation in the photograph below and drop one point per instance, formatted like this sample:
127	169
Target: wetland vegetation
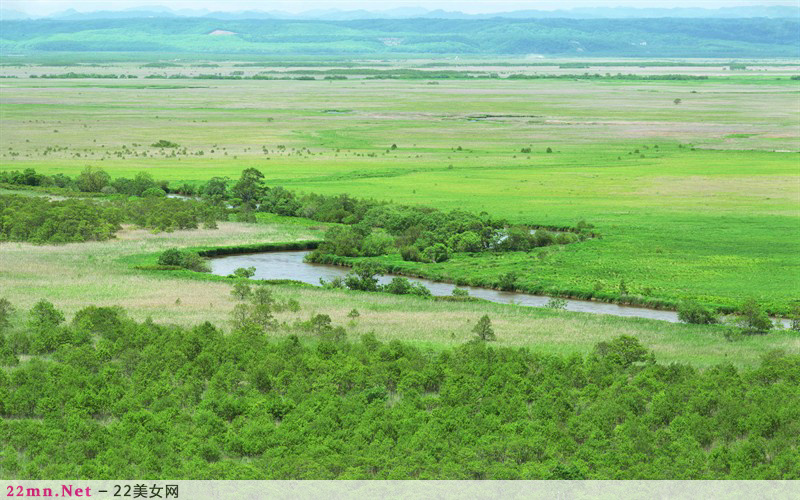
661	183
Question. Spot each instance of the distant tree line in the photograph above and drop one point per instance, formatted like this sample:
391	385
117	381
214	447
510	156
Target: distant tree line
618	76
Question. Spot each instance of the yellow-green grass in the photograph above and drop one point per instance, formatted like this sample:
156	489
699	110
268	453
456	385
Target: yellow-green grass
718	223
100	273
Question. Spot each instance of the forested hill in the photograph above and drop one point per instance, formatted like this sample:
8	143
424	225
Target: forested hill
666	37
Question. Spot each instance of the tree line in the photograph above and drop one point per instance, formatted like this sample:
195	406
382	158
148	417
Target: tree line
42	221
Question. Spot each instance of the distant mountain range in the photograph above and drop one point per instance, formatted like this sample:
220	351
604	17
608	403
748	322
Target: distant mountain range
418	12
663	37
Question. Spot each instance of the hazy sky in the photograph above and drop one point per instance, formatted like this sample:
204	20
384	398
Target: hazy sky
42	7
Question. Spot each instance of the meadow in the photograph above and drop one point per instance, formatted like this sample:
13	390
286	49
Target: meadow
112	366
693	185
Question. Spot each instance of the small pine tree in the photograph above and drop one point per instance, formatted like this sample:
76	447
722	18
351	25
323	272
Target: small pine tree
483	328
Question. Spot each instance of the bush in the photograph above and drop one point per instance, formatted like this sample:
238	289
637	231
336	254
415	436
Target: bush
398	286
378	242
436	253
411	253
241	291
165	144
694	313
186	260
6	310
623	351
153	192
45	315
556	303
243	272
362	277
171	257
508	281
753	319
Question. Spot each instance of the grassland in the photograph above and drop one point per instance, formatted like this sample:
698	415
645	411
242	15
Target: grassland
102	273
697	199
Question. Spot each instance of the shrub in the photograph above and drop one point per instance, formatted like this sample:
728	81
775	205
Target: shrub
153	192
556	303
398	286
460	292
692	312
165	144
171	257
794	318
362	277
508	281
436	253
623	350
243	272
378	242
753	319
411	253
241	290
45	315
186	260
6	310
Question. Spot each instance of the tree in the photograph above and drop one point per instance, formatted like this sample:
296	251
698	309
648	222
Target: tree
241	290
244	272
623	350
677	101
92	180
142	183
362	277
6	310
483	328
45	315
250	186
216	189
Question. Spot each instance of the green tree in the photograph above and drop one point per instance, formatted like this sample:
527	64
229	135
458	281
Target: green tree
250	186
92	180
6	310
241	291
45	315
483	329
623	351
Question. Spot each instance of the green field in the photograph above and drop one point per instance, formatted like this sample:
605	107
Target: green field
697	199
117	361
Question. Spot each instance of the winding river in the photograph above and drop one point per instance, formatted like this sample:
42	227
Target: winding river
290	265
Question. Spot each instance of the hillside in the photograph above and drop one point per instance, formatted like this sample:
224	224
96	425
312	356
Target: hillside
666	37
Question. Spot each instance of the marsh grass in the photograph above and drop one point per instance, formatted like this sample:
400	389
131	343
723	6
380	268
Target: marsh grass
101	273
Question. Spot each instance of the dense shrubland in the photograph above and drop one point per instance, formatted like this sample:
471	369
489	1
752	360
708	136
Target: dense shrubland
39	220
103	396
370	228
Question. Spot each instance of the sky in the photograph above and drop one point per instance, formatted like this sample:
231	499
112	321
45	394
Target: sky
44	7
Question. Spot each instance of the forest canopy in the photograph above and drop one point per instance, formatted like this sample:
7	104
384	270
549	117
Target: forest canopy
103	396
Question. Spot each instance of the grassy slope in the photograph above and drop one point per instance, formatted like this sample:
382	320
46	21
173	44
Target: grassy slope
720	225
